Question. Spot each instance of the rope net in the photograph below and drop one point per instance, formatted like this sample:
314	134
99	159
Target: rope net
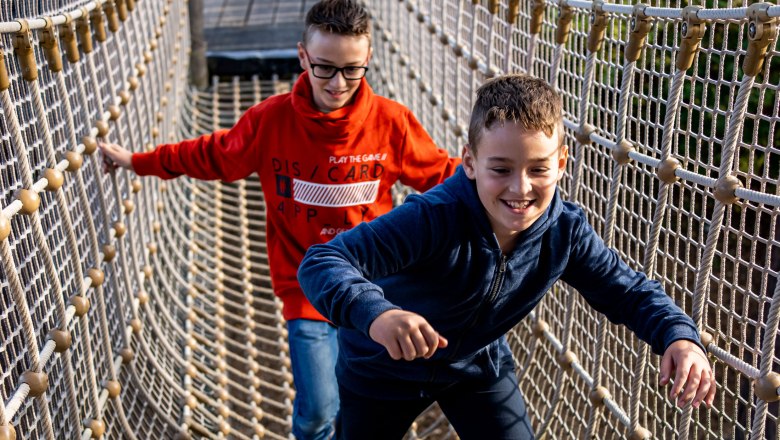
143	309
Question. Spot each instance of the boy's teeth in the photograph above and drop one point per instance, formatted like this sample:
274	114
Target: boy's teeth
518	205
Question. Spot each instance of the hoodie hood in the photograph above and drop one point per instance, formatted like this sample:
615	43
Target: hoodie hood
338	124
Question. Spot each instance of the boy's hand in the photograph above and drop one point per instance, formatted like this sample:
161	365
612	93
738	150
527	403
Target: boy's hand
116	156
405	335
692	370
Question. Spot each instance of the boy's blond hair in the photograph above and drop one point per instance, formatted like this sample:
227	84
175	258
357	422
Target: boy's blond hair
339	17
521	99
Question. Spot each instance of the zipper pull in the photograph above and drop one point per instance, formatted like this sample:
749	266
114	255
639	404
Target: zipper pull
502	268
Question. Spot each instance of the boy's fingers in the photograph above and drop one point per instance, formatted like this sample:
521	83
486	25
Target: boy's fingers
691	385
679	381
713	388
443	341
407	348
666	369
432	341
420	345
704	388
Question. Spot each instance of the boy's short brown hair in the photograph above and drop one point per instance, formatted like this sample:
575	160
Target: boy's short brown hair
521	99
340	17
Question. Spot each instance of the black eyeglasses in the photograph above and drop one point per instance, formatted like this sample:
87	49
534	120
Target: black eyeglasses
326	71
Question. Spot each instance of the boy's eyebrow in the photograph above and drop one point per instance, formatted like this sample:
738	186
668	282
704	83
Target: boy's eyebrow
327	61
534	159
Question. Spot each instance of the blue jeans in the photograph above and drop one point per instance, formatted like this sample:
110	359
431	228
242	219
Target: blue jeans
484	409
313	353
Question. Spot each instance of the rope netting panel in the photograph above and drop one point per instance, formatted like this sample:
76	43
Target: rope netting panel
143	309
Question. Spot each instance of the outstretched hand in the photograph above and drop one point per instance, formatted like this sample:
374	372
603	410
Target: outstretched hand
406	335
692	371
115	155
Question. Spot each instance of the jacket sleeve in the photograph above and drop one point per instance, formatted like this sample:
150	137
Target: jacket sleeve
225	154
336	276
424	164
624	295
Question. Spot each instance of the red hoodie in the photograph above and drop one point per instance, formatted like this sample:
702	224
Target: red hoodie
321	173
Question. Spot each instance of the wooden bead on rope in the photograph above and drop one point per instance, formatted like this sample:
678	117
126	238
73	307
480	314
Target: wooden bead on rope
257	398
191	402
148	57
766	387
38	382
113	387
30	201
136	325
181	435
102	127
155	132
160	116
96	276
567	359
81	304
192	371
90	144
160	206
136	186
148	272
97	427
223	395
258	413
5	227
621	152
75	160
640	433
109	252
127	355
132	83
259	430
142	296
119	229
140	69
54	179
725	189
128	206
224	411
62	340
706	339
114	112
224	428
152	248
124	97
539	328
666	170
597	396
583	133
7	432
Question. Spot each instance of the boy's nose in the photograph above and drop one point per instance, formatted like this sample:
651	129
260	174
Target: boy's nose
520	185
338	80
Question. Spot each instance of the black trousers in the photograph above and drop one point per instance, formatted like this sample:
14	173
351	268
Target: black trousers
478	410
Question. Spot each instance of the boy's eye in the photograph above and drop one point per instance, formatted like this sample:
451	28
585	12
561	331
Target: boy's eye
325	69
500	170
540	170
350	71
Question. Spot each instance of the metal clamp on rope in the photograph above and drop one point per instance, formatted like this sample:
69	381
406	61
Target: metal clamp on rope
96	17
113	19
762	30
121	9
85	31
537	16
69	41
23	49
493	6
565	16
692	32
598	26
514	11
5	80
638	29
51	50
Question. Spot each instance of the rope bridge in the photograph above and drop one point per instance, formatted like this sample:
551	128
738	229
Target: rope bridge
143	309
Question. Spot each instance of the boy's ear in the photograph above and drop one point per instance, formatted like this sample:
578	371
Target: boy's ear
468	161
302	57
563	157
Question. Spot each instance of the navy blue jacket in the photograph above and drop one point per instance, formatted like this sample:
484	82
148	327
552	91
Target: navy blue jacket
436	255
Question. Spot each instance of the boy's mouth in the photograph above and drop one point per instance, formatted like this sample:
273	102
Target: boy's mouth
518	204
336	94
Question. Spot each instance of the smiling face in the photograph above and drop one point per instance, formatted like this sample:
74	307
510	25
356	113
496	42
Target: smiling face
516	172
335	50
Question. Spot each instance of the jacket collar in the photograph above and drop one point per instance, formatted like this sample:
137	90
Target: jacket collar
465	189
337	125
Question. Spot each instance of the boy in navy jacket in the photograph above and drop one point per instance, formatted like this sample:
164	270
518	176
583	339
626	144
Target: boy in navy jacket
423	295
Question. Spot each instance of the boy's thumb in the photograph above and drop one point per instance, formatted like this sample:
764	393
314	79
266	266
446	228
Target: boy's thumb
442	342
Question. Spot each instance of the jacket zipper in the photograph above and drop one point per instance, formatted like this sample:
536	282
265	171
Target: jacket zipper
498	280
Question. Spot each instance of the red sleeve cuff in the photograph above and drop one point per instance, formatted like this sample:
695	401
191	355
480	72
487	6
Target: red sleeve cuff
148	164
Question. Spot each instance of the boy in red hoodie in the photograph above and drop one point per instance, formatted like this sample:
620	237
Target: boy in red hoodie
327	155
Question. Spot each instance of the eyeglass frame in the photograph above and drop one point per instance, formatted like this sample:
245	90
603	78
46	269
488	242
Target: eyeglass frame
336	70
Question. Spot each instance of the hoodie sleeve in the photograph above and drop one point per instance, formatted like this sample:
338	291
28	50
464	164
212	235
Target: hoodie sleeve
423	164
624	295
336	276
225	154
